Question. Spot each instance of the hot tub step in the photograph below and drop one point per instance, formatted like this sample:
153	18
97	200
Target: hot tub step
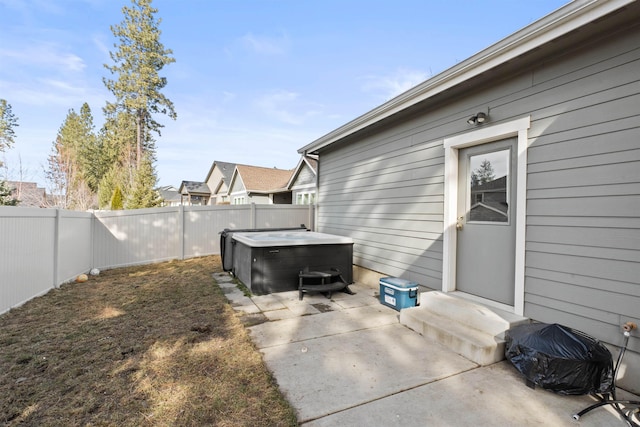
322	281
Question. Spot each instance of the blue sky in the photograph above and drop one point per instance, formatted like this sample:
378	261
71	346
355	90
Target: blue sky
253	80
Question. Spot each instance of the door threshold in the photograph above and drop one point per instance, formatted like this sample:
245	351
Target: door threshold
483	301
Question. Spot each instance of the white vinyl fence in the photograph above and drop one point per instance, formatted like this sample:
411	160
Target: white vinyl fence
42	248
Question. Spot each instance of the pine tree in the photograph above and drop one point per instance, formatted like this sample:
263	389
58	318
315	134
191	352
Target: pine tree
143	194
483	174
70	171
8	123
137	61
116	199
6	199
88	150
115	177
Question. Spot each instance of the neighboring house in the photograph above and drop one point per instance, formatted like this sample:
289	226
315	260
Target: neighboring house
489	201
253	184
218	180
170	196
303	181
194	193
29	195
559	103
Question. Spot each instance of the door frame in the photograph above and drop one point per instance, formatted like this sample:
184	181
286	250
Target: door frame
488	133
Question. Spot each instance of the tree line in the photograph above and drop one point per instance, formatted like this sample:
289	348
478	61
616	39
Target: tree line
112	168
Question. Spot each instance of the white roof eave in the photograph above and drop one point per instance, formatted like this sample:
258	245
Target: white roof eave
564	20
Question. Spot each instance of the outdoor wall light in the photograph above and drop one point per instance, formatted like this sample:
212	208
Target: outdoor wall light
478	119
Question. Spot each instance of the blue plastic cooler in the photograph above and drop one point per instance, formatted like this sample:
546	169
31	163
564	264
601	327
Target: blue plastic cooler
399	293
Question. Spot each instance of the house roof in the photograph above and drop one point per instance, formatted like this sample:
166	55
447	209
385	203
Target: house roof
226	169
28	193
567	19
194	187
496	184
169	193
257	179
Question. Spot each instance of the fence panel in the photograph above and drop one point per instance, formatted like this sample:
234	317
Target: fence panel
203	224
74	244
274	216
26	254
140	236
42	248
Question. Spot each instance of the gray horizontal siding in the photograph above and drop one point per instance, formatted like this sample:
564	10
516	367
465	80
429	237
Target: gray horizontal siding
583	231
305	177
385	188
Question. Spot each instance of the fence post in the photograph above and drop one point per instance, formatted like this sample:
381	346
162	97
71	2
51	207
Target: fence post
56	247
181	230
253	219
94	226
311	220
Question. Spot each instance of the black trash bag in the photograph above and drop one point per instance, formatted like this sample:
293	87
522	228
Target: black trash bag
560	359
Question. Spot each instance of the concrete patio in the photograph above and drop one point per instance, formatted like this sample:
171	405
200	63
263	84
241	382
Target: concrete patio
348	361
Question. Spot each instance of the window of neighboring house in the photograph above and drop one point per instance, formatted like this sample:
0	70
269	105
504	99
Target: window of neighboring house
306	198
239	200
197	200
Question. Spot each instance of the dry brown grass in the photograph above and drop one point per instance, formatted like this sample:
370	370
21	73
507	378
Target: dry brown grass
150	345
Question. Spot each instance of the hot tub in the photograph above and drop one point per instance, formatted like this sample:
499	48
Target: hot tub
270	262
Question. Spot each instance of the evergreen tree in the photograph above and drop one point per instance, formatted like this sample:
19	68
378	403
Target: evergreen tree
70	171
117	160
8	123
6	199
88	150
143	193
482	174
114	178
137	61
116	199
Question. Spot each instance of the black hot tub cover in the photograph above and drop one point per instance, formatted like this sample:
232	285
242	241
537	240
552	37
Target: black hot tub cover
560	359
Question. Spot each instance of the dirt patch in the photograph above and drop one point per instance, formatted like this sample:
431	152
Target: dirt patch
148	345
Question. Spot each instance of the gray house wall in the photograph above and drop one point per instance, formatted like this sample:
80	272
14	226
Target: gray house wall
384	187
305	182
305	177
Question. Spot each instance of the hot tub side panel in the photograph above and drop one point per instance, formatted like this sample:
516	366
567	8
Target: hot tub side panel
242	260
276	269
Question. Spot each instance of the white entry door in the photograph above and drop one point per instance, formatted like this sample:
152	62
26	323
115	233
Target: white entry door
486	220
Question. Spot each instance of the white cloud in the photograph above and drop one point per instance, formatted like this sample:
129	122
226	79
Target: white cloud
265	45
46	56
393	84
286	107
102	45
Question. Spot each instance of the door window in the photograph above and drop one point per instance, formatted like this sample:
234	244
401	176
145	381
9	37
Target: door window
489	187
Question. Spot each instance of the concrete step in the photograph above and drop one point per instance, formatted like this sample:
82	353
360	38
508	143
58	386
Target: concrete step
468	328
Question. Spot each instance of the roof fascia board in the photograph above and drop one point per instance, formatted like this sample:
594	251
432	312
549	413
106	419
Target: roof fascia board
564	20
